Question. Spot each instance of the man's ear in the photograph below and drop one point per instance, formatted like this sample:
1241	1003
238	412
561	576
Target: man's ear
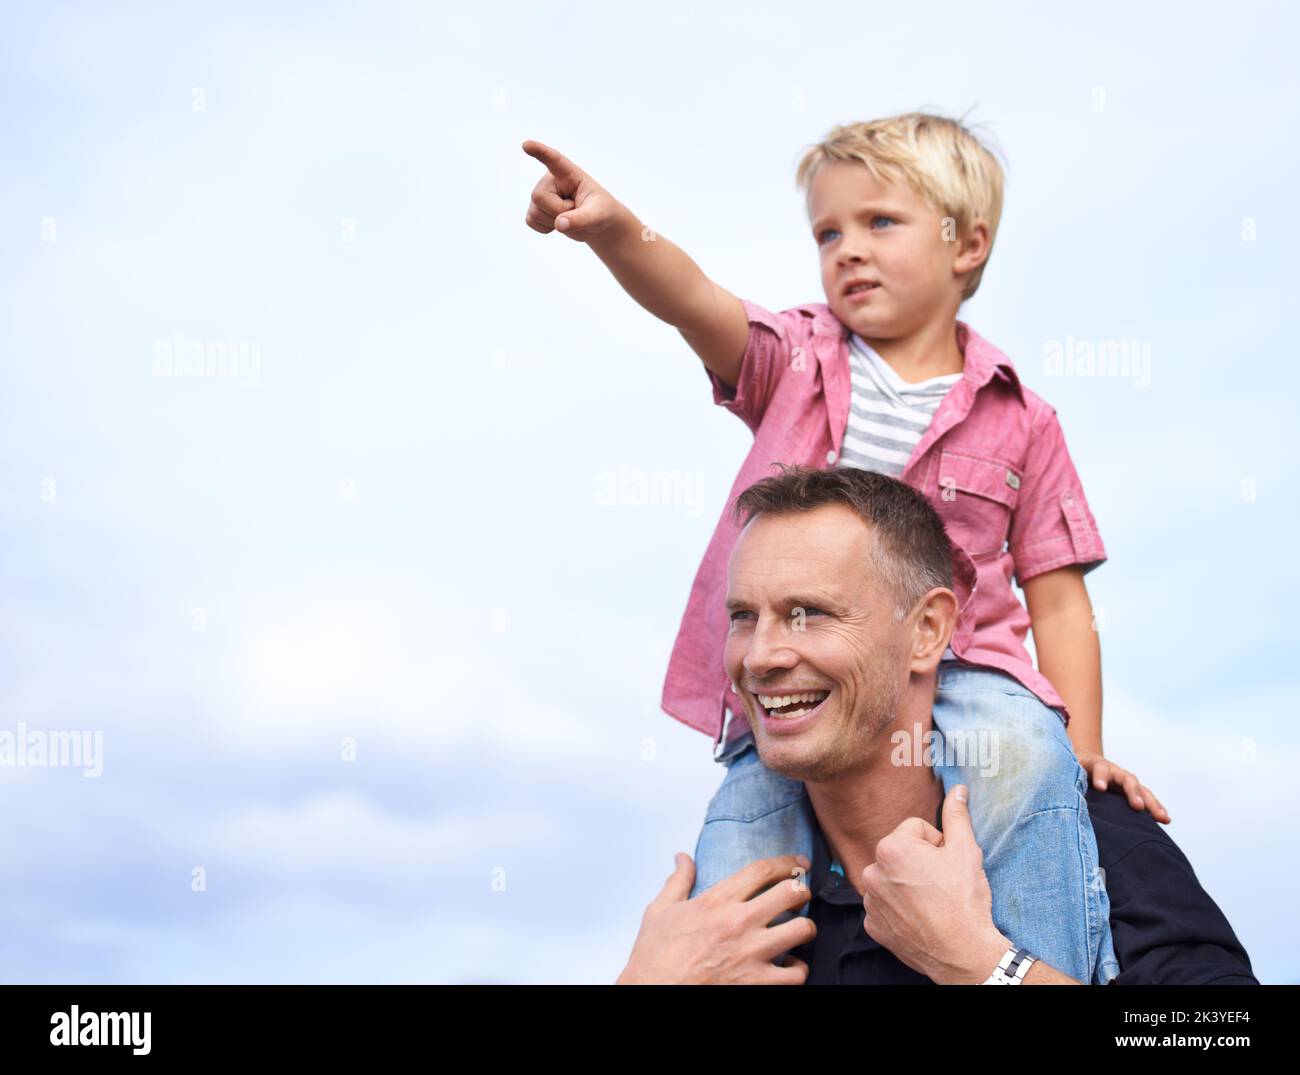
933	619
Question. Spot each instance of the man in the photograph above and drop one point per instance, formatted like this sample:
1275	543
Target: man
894	898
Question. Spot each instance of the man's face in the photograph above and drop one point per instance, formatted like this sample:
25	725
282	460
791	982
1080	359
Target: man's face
887	234
809	614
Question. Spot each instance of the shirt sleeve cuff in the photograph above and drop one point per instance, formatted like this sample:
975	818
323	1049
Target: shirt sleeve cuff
747	398
1078	543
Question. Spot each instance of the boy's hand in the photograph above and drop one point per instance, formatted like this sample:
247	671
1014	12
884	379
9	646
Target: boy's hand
1107	776
566	199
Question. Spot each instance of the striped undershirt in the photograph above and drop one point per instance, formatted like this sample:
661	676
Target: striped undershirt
887	416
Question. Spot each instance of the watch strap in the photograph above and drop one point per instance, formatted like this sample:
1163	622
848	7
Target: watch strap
1012	967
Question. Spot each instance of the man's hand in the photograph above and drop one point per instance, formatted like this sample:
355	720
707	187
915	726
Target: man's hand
566	199
722	937
1107	776
928	900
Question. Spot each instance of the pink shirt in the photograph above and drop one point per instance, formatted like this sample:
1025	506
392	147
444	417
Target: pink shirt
993	463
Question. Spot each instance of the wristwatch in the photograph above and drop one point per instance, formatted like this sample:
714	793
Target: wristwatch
1012	968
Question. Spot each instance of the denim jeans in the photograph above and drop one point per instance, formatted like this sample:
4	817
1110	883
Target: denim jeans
1027	807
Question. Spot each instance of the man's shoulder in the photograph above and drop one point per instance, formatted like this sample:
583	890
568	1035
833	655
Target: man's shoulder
1167	929
1119	828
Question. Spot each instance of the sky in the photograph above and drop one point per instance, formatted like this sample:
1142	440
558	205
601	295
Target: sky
368	664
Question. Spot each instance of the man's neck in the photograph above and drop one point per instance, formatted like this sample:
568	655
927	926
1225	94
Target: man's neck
931	351
857	810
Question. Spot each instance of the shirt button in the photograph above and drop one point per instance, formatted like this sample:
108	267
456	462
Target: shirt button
830	456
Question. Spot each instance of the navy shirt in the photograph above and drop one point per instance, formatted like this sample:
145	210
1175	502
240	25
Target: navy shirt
1165	928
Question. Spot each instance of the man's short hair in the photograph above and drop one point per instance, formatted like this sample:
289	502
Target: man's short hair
911	553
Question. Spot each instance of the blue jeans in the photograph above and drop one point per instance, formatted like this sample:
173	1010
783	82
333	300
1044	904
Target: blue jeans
1027	808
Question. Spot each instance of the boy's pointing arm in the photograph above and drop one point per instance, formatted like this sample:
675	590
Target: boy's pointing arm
654	271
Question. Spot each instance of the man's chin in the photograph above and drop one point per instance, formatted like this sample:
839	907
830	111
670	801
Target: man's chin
791	759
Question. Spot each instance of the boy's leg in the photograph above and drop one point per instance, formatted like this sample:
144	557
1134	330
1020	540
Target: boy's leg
1029	815
754	814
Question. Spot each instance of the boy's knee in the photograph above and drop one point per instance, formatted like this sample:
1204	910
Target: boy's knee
1021	773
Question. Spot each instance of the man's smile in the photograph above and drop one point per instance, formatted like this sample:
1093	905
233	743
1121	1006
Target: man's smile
785	714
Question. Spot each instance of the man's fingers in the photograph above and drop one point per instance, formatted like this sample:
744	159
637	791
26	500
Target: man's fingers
777	939
758	875
920	829
556	162
795	972
786	895
789	894
1100	775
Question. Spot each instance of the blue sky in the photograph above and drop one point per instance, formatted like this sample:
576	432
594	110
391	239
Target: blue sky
389	531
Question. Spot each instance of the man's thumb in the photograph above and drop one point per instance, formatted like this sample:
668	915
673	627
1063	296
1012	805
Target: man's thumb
956	815
681	881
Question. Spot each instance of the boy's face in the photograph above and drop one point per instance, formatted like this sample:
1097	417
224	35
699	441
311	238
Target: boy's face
887	234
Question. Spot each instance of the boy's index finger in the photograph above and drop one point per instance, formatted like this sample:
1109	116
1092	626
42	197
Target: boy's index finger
556	162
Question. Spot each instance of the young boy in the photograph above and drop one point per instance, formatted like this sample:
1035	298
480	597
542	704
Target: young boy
903	213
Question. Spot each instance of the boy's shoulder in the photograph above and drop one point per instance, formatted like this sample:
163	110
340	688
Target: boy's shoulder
817	318
813	318
979	350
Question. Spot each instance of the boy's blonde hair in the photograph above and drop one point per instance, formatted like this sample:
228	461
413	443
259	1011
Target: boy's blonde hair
936	156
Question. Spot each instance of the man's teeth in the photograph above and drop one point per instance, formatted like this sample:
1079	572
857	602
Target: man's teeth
773	701
779	701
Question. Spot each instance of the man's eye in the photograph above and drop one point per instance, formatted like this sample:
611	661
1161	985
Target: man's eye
800	611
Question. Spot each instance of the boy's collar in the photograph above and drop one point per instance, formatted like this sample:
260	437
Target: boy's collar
982	360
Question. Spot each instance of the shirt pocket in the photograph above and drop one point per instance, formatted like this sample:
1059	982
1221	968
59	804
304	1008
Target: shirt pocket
975	498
